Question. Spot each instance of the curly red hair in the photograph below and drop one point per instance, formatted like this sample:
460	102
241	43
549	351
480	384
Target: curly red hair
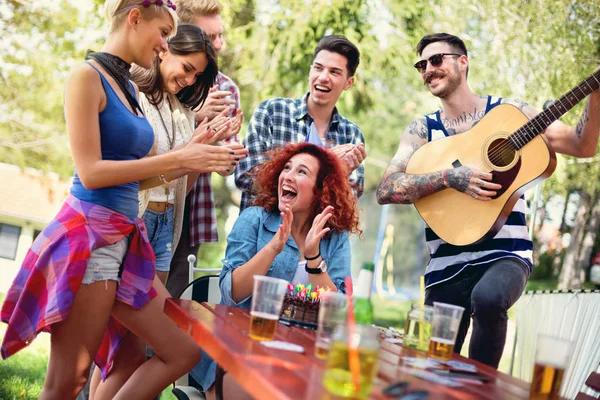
331	189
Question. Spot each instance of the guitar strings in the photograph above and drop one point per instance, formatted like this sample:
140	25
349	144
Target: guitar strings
501	150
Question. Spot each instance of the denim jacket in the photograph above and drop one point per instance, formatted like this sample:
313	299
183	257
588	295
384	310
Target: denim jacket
254	228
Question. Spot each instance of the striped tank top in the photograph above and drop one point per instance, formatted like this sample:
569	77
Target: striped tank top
512	240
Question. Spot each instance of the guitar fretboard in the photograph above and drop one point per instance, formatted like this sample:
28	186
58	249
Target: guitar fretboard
536	125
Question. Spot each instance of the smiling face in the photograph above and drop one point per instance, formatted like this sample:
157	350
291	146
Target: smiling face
180	71
297	182
328	78
151	36
446	77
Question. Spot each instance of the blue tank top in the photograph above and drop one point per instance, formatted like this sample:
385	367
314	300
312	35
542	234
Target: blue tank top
123	136
512	240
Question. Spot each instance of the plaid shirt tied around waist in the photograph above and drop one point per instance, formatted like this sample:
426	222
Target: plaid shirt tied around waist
43	291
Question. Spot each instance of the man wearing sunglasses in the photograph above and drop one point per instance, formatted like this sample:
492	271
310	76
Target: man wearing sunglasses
485	278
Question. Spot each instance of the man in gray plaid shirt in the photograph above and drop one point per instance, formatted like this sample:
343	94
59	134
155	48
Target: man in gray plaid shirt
312	118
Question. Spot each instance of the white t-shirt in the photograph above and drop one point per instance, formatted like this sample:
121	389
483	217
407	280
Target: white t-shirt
301	276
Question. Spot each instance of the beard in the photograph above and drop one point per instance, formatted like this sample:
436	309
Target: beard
453	80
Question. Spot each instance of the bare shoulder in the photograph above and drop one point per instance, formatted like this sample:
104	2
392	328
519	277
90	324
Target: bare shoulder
521	105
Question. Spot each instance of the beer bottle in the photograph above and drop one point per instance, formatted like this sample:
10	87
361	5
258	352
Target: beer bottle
363	310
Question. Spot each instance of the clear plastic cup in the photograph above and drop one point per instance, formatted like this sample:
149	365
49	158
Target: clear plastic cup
267	298
332	312
552	358
444	328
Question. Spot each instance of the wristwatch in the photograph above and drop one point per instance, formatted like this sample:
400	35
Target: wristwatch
322	268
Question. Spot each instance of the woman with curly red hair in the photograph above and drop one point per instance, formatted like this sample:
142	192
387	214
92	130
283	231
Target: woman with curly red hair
298	227
297	230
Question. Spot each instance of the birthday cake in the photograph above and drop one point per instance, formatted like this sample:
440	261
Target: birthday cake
301	303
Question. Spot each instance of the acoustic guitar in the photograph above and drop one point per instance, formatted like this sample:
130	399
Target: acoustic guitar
504	143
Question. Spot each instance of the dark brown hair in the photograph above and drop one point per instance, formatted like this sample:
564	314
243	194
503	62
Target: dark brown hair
189	39
341	45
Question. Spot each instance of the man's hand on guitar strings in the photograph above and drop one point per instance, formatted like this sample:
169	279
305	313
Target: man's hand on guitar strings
472	181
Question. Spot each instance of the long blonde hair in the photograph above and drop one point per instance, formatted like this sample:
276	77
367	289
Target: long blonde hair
115	15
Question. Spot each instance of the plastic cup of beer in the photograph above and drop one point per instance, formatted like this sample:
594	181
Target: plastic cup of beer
338	378
552	357
267	298
444	328
332	312
417	330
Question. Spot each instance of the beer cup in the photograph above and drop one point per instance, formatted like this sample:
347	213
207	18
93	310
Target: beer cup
444	328
267	298
552	357
332	312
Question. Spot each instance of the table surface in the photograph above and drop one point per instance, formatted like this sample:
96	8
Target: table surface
222	332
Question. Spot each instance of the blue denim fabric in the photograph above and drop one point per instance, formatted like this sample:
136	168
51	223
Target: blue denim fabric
160	233
253	229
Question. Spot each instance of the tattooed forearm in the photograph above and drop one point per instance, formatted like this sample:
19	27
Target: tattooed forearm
582	121
402	188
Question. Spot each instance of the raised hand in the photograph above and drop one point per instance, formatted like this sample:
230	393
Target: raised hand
283	232
472	181
216	102
355	157
317	231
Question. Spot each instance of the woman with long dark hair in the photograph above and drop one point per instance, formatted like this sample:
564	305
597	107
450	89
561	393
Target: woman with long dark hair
178	82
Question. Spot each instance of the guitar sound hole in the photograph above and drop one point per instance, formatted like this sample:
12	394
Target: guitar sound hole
501	153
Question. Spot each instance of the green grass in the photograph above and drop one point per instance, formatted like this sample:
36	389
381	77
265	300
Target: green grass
22	375
389	313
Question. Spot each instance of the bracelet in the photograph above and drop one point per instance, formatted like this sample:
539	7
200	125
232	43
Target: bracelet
163	179
312	258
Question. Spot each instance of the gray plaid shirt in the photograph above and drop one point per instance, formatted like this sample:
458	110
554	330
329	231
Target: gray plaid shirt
279	121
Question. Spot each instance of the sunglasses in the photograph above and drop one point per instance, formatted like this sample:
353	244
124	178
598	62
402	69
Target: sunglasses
435	60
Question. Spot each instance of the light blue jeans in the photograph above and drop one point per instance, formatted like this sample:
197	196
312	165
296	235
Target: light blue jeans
160	233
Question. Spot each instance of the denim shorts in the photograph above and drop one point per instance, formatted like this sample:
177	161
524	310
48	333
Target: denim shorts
160	233
105	262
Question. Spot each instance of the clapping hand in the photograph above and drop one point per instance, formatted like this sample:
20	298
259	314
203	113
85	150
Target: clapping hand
317	231
216	102
283	232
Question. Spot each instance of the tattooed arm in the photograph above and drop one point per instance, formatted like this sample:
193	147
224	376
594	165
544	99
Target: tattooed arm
398	187
578	141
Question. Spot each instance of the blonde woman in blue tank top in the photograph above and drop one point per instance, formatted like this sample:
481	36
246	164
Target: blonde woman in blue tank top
89	276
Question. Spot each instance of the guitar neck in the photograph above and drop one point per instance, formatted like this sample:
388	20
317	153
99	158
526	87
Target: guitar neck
536	125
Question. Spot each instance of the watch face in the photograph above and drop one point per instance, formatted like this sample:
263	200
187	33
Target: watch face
323	266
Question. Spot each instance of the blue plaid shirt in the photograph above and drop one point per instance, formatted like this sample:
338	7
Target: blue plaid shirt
279	121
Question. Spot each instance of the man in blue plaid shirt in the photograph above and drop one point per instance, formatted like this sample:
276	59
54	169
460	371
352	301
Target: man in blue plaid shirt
312	118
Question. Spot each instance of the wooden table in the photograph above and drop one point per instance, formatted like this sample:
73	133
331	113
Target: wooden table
222	332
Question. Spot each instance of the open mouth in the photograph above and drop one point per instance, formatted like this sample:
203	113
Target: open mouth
322	89
180	85
288	193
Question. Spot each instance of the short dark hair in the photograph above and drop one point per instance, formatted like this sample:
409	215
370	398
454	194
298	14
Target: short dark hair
454	41
341	45
189	39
